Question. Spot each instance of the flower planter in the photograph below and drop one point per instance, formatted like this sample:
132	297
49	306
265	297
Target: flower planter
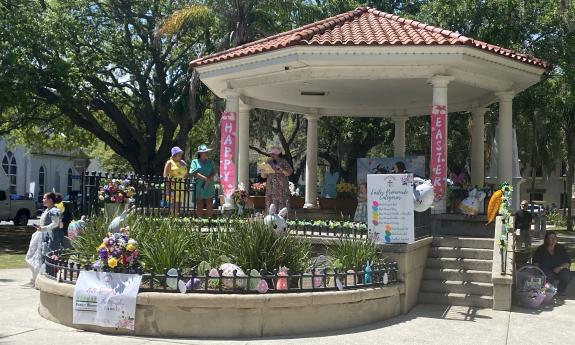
258	201
296	202
112	210
337	203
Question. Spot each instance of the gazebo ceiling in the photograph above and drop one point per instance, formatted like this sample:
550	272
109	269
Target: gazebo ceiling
366	63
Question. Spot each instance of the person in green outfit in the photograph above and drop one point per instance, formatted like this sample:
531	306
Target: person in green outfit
203	169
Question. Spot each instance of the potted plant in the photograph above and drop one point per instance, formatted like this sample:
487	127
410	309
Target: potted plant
295	201
345	200
115	195
258	195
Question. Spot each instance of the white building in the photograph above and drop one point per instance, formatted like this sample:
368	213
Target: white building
551	189
24	171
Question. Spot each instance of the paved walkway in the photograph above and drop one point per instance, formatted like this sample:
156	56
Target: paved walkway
20	323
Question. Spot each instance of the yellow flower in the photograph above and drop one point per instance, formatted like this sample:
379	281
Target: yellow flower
102	245
112	262
130	247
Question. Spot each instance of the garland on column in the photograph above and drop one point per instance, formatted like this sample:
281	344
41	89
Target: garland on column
505	212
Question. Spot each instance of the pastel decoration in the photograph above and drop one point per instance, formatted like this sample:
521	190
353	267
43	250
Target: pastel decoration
349	279
470	205
228	272
172	281
367	273
385	279
275	221
282	283
306	281
318	278
338	284
182	286
262	286
76	228
194	284
254	279
387	234
214	283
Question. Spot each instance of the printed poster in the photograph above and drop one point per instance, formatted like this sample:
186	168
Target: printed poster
390	208
106	299
228	128
438	160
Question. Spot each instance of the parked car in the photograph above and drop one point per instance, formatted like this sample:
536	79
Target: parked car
16	208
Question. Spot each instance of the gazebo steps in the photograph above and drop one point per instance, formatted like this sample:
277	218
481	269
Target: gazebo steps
461	299
458	272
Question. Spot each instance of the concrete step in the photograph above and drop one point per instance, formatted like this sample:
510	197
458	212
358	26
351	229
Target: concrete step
457	286
456	299
460	263
463	242
466	253
457	274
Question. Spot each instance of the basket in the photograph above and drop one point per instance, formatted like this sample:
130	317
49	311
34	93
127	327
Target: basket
531	289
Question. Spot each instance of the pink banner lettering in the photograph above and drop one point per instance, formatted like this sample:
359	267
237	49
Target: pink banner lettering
228	126
438	159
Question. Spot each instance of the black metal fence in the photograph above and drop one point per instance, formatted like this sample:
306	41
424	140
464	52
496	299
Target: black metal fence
60	268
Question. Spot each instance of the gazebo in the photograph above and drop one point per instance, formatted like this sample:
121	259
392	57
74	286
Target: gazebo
367	63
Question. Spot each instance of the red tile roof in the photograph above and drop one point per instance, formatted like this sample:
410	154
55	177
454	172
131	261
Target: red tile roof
364	27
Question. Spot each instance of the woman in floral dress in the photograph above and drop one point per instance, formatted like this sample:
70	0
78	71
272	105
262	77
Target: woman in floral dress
277	184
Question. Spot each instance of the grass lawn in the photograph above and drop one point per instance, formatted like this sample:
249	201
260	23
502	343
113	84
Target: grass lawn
9	260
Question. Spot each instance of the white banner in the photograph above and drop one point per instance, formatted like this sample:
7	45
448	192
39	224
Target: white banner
390	208
106	299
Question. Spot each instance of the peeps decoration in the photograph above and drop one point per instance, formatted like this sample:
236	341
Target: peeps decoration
470	206
275	221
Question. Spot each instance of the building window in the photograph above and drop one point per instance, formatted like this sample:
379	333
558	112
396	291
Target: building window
41	182
70	180
11	170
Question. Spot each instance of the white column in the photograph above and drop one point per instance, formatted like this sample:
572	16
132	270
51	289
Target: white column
440	83
311	162
399	138
477	146
232	105
244	145
505	138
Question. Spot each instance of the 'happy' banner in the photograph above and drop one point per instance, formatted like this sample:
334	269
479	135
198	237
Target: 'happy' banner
438	159
228	127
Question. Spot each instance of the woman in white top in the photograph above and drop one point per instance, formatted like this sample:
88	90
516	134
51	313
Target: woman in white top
49	221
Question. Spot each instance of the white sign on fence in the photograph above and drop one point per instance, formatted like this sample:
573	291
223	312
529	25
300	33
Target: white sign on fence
106	299
390	208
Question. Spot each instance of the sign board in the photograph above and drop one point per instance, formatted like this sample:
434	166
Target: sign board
228	130
390	208
438	159
106	299
365	166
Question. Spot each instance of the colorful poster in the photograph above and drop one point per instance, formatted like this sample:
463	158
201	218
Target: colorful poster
438	160
413	164
228	128
106	299
390	208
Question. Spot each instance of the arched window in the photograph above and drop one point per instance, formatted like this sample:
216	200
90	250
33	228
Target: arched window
70	180
41	182
11	170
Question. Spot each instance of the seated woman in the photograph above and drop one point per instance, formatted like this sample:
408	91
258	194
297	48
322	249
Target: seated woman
553	259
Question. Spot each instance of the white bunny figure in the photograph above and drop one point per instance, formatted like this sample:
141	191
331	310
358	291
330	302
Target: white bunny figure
276	222
470	205
423	194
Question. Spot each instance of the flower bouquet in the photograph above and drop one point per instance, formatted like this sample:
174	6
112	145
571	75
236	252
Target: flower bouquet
118	252
345	190
258	189
116	191
240	198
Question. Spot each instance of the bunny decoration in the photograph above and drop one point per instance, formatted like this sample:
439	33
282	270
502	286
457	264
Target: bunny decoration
275	221
423	194
470	205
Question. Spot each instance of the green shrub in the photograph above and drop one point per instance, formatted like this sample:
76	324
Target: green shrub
557	219
85	246
354	253
252	245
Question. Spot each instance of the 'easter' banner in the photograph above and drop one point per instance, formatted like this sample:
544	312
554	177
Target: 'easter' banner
106	299
228	126
390	208
438	160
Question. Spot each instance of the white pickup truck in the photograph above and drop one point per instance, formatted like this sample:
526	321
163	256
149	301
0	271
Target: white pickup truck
18	211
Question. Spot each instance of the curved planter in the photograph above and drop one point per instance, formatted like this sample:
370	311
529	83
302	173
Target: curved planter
225	316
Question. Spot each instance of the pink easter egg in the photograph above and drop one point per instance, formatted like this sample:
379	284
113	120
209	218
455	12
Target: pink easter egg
263	286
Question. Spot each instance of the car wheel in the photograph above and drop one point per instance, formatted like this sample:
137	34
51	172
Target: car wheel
21	219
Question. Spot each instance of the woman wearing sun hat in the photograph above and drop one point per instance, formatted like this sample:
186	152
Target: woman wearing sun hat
175	170
277	183
203	169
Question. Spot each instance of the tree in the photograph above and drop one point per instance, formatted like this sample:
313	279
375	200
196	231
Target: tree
110	68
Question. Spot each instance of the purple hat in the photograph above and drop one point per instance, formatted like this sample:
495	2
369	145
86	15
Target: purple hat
176	150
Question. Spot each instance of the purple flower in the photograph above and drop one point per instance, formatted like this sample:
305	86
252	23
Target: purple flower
103	254
96	265
111	242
